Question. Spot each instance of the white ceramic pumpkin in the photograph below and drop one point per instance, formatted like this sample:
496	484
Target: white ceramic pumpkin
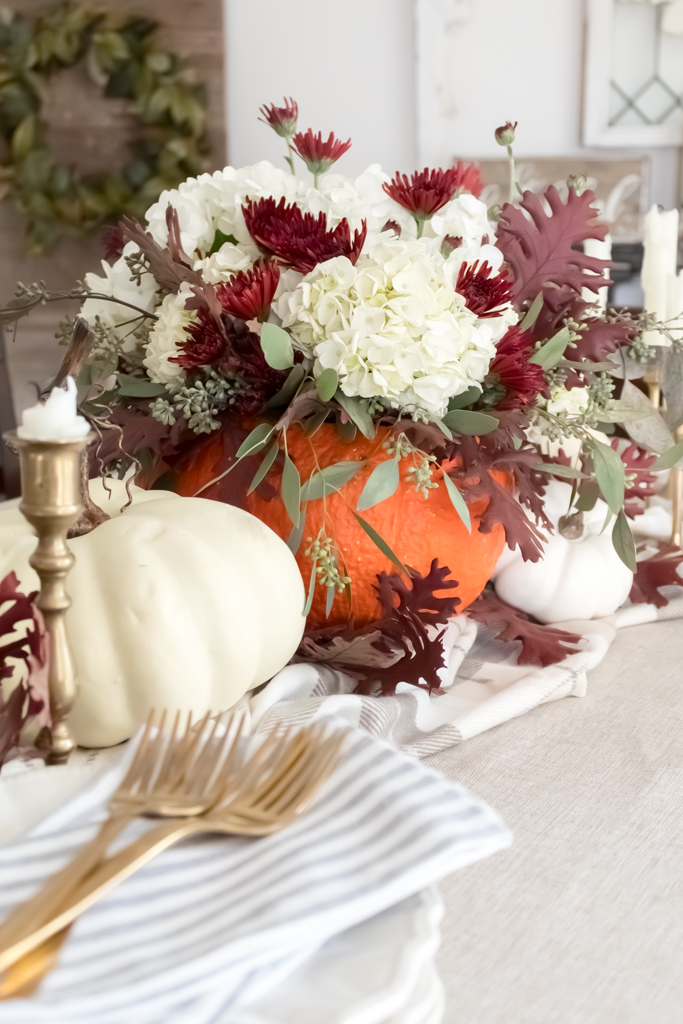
177	602
579	577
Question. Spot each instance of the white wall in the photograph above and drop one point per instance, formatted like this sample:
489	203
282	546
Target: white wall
348	63
516	60
351	65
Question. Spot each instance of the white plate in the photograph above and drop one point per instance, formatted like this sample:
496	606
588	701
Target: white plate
380	972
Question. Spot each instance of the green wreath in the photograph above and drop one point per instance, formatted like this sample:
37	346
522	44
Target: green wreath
121	57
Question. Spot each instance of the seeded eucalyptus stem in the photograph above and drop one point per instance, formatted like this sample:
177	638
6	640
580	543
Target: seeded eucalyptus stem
514	187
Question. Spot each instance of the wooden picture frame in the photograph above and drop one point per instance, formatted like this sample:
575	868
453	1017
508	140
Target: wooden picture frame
600	126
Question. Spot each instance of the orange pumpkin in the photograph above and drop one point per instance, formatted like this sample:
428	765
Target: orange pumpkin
417	529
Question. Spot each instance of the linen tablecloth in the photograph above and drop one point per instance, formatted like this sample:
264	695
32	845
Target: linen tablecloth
581	922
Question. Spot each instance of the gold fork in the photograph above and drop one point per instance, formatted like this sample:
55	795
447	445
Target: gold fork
174	774
276	785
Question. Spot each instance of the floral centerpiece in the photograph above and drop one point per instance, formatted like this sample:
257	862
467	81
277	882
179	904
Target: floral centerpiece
381	368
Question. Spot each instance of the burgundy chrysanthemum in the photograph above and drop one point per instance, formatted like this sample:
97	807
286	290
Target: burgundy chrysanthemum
204	346
468	178
510	369
483	294
319	155
281	119
300	240
249	294
426	192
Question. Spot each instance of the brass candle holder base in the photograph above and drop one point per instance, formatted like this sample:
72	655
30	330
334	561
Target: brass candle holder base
51	502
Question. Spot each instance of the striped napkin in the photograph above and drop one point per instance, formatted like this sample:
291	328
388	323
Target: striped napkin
214	923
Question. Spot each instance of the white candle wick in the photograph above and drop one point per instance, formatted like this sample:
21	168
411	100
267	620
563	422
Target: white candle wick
56	419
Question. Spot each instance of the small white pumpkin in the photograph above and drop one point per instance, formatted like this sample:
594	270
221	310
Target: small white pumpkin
579	577
177	602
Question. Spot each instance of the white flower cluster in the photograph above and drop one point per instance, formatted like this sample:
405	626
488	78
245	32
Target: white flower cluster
213	202
392	327
168	333
117	281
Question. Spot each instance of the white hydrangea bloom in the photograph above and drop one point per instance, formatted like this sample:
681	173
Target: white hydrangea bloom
118	282
168	333
572	401
464	217
213	202
392	327
221	265
357	200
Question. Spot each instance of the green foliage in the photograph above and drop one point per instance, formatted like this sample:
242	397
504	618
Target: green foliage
459	503
331	478
550	354
623	542
277	347
465	421
380	485
120	56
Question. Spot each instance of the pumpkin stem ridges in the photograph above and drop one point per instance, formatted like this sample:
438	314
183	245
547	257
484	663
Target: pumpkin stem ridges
93	515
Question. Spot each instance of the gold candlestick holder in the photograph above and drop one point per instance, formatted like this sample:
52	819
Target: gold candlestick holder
51	502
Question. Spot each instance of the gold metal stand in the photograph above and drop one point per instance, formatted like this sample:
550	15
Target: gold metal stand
51	501
676	484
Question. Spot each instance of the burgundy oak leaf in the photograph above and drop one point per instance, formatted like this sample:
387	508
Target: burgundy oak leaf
29	696
661	570
538	246
399	647
541	645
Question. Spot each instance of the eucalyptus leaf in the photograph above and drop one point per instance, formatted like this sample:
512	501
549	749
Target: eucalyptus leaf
531	315
256	440
464	421
551	353
464	399
315	422
135	387
623	542
358	412
329	600
380	485
262	471
297	534
459	503
650	430
288	389
672	385
567	472
444	429
588	496
331	478
311	591
609	471
277	347
347	431
379	542
327	384
290	490
669	459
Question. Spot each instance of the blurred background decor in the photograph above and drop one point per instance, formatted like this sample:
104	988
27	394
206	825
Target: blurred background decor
91	128
162	99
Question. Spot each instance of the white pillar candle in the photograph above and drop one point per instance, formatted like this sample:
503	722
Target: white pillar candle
601	249
56	419
674	305
659	265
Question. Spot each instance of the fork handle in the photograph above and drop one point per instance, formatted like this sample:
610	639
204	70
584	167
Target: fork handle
100	882
61	886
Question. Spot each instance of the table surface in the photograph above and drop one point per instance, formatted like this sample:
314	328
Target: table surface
581	921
